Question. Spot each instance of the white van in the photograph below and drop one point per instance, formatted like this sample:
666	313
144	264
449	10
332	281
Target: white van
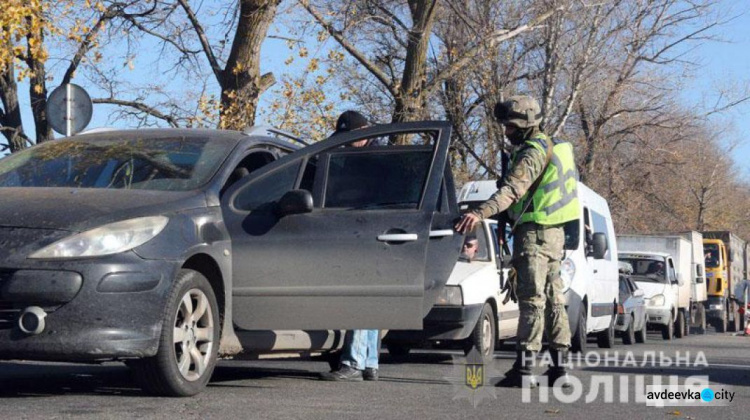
469	312
589	269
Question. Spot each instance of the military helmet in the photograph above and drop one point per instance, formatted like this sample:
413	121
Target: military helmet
521	111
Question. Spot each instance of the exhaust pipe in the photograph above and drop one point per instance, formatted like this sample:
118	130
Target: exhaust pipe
31	320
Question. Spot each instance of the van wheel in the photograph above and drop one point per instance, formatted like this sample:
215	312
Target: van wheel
679	328
629	336
578	341
642	335
700	314
484	335
189	342
606	339
667	331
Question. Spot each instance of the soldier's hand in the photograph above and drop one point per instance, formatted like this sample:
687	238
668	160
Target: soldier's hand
467	223
510	287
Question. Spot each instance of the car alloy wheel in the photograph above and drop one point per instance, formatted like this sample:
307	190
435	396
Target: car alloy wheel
193	334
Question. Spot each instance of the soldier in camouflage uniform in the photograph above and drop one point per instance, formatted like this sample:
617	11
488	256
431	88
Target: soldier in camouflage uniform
539	236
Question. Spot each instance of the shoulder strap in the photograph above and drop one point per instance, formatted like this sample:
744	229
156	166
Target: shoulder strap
534	186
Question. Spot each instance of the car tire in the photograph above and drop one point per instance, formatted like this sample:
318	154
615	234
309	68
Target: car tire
606	339
641	336
578	340
484	335
700	314
397	349
679	327
667	331
182	368
628	337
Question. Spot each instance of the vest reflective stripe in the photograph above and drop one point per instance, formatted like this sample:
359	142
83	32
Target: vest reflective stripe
556	199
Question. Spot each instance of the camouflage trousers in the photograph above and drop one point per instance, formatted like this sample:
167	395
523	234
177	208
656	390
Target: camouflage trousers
537	252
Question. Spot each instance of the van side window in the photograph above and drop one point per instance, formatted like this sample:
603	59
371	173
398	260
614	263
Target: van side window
599	225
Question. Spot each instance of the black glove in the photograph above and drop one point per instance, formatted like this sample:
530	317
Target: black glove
499	183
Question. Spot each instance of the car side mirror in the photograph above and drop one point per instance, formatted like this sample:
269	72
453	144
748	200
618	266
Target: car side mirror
295	202
598	246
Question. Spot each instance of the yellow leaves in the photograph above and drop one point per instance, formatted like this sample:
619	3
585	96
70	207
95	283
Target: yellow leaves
289	60
313	65
303	52
238	68
38	89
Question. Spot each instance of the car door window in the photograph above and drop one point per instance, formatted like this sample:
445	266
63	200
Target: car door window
381	179
262	193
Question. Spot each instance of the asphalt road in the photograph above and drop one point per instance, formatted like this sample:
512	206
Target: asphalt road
418	387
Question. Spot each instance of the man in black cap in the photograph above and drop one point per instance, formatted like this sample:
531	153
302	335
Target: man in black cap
359	356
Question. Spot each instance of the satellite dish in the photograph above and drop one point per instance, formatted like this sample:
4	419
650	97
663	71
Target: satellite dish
69	109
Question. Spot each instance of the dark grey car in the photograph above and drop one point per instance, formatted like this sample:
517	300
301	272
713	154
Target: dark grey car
163	247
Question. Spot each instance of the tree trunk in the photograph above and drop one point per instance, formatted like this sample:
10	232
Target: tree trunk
410	100
241	81
10	118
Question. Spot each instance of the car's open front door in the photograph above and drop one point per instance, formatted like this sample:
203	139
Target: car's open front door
357	258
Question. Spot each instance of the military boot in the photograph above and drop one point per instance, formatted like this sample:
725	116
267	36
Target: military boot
557	374
514	378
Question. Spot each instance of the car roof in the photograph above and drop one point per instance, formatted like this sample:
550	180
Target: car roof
229	136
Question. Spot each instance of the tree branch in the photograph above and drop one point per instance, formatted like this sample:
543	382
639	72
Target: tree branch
358	55
204	40
494	39
140	107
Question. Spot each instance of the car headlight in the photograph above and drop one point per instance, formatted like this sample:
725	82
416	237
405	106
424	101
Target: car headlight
105	240
450	295
567	272
656	300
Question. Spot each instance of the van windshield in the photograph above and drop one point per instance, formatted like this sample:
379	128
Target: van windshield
712	255
647	269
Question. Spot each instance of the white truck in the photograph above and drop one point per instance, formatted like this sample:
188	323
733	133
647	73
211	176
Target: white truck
670	270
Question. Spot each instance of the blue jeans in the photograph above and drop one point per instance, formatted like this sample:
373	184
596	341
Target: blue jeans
361	349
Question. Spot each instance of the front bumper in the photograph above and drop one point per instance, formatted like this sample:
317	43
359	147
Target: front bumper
442	323
715	307
96	309
658	315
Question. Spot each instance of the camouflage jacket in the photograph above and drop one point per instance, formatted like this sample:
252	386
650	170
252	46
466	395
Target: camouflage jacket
527	165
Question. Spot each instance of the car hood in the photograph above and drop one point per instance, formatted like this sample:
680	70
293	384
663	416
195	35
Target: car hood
651	289
463	270
79	209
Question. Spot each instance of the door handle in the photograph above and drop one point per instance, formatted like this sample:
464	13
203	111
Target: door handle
596	271
441	233
398	237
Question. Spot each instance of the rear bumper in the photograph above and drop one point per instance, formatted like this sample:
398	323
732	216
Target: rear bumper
442	323
623	322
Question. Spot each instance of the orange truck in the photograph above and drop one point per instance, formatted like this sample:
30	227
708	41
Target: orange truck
727	263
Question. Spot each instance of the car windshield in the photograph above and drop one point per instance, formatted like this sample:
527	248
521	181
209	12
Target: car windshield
647	269
712	255
164	163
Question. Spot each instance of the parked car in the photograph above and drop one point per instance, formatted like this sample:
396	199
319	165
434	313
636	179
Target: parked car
470	313
631	309
589	268
164	248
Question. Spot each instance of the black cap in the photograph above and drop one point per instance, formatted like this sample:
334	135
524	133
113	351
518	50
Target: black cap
350	120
